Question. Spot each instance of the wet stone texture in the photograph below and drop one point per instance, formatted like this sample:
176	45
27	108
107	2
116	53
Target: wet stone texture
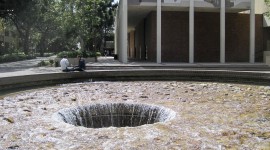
208	116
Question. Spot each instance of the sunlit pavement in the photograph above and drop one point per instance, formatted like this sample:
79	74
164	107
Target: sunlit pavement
26	67
29	67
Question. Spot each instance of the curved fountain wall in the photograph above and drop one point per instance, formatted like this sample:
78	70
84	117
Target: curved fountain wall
260	77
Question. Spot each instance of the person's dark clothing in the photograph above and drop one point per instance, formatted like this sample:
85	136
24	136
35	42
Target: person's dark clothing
81	65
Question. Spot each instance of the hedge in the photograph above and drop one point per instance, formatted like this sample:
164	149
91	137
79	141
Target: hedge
15	57
74	54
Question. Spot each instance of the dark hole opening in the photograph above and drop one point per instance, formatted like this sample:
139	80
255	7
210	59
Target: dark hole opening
114	115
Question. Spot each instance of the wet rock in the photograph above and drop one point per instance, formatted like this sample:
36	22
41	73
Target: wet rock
192	89
143	96
184	100
228	133
9	119
103	137
264	135
73	99
267	88
27	110
204	85
261	93
52	128
14	147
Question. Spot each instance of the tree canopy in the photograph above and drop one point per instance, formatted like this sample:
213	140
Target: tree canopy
59	25
267	2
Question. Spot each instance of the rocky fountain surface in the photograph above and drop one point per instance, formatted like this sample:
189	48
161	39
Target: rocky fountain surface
202	115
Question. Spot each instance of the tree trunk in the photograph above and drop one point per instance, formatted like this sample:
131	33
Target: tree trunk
26	43
42	44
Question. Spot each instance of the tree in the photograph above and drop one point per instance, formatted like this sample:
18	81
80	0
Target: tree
11	7
46	24
24	20
97	18
60	24
267	2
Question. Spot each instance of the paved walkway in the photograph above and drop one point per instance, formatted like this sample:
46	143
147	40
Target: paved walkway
28	67
25	67
108	63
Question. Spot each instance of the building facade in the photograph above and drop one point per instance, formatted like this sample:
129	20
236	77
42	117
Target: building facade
190	31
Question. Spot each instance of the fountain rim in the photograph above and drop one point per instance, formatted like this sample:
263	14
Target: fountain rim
33	81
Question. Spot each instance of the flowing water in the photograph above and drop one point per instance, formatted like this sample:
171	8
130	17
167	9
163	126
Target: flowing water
138	115
114	115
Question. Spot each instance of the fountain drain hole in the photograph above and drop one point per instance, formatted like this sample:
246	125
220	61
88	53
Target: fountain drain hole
114	115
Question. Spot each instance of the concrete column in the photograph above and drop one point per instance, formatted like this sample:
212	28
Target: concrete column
252	32
124	31
116	45
222	31
191	31
159	31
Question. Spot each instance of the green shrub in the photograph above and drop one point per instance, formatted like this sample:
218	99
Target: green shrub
74	54
44	55
51	62
10	58
69	54
98	54
44	63
56	64
15	57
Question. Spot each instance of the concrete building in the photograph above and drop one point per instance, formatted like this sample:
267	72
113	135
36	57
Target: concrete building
191	31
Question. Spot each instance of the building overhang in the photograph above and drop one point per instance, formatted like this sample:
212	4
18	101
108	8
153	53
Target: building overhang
137	12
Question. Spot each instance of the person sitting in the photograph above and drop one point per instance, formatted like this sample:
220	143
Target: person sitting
64	63
81	64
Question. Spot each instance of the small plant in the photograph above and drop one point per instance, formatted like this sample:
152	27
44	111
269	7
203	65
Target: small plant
98	54
56	64
43	63
51	62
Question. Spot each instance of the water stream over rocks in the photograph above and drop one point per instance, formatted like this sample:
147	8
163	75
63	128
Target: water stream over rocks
199	115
